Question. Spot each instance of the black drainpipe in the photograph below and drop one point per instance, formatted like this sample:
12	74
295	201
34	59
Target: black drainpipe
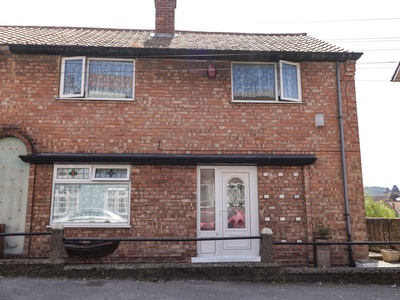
342	148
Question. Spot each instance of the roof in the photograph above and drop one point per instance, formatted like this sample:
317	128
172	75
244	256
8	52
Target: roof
381	197
22	39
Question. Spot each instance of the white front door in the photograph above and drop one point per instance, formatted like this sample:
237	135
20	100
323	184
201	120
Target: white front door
227	207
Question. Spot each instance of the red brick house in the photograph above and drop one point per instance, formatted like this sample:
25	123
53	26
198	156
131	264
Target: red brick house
174	134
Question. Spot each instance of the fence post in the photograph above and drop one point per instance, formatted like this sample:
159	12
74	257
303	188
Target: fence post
2	230
266	247
56	243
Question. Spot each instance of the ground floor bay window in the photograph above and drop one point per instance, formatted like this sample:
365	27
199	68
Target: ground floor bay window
91	196
227	208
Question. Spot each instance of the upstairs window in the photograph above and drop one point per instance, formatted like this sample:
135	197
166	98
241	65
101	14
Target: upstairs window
96	78
266	82
91	196
290	81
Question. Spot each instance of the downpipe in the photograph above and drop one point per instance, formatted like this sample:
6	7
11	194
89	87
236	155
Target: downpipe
344	169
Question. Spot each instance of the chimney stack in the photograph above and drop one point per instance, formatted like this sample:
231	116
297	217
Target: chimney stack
165	17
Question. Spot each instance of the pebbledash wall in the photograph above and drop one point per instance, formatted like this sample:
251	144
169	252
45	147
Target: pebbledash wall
178	110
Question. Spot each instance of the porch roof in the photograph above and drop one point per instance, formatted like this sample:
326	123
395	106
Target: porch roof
173	159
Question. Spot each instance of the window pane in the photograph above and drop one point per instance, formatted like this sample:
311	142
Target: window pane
111	173
66	199
110	79
236	203
97	203
254	82
73	77
207	199
117	200
72	173
290	81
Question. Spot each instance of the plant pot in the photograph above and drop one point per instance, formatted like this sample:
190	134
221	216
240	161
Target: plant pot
323	255
390	255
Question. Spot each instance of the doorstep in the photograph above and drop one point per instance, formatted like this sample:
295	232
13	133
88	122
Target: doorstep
375	255
225	259
366	263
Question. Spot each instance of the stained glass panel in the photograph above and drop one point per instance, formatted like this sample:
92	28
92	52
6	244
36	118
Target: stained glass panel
111	173
236	211
72	173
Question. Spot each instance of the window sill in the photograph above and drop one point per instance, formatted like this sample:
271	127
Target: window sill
267	102
95	99
89	225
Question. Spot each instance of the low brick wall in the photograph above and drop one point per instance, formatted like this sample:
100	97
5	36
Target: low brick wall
235	272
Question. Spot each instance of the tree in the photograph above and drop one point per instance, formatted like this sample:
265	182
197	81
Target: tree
379	209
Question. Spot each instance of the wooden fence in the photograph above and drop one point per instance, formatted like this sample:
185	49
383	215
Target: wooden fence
383	230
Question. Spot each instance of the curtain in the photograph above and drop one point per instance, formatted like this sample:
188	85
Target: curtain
66	199
72	198
110	79
117	200
207	199
254	82
289	81
73	77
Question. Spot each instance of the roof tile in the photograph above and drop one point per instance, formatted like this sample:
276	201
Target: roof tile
127	38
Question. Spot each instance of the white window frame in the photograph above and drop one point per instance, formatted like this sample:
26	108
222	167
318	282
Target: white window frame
109	167
88	181
63	77
85	78
297	65
278	83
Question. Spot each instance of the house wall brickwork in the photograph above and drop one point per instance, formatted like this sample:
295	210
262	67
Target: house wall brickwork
177	109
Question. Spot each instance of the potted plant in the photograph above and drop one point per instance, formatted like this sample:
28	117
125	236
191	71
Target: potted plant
323	252
324	229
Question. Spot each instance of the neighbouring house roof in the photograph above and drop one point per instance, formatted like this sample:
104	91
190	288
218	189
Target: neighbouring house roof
382	197
396	206
394	196
127	42
396	75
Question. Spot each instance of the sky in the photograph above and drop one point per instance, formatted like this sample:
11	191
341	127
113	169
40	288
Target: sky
371	27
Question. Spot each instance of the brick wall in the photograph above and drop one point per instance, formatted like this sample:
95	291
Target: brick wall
282	208
179	110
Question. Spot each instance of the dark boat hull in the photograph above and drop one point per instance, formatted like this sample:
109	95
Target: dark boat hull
90	249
